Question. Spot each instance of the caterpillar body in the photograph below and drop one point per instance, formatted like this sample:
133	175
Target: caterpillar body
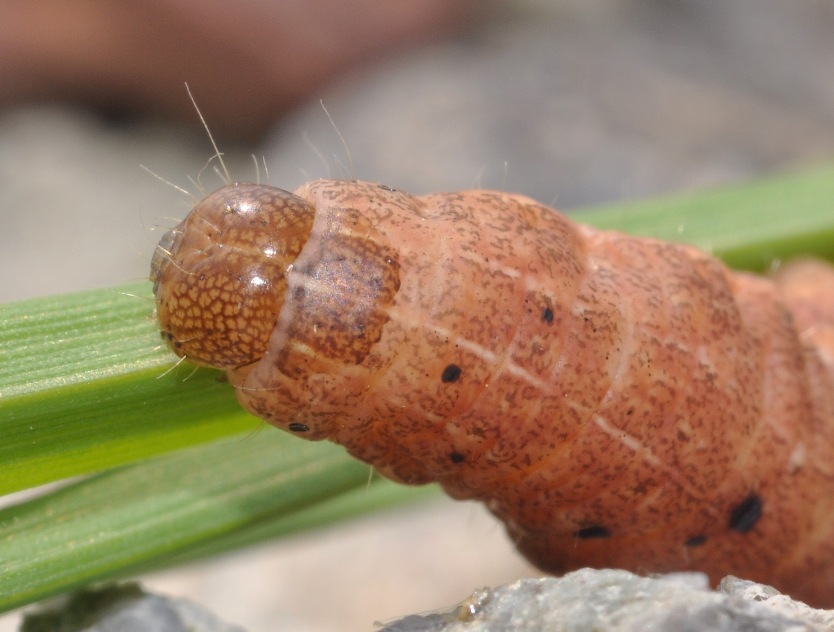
615	401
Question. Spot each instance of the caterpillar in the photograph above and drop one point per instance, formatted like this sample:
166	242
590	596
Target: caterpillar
615	401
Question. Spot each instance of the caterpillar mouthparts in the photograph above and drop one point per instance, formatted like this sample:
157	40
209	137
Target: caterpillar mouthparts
615	401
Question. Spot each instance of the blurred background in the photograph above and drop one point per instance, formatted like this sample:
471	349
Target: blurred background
572	102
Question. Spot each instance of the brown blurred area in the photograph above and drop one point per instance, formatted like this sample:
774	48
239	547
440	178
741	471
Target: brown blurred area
245	61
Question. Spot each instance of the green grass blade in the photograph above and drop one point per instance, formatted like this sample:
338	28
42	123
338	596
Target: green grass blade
186	505
748	226
85	386
379	494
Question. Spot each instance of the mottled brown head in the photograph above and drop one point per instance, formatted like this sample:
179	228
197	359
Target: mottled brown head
220	275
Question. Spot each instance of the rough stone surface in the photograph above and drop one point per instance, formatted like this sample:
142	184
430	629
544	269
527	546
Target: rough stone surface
122	608
599	600
619	601
752	591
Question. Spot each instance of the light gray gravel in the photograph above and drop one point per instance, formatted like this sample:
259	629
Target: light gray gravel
619	601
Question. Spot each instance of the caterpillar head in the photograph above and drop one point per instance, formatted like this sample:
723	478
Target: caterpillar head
220	275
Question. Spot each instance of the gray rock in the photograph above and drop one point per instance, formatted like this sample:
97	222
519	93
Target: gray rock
615	600
751	591
122	608
583	102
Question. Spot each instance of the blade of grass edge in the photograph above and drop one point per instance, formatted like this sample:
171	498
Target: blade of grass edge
749	226
86	385
185	505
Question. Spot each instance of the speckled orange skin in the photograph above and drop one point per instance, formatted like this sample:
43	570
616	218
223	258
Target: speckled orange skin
615	401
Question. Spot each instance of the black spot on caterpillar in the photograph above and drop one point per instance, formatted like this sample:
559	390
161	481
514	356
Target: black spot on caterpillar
451	373
651	395
746	514
597	531
697	540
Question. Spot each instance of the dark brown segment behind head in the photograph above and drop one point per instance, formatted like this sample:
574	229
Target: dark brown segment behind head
340	304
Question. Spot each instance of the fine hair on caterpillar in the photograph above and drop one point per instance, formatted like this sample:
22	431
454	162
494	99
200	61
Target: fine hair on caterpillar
216	161
615	401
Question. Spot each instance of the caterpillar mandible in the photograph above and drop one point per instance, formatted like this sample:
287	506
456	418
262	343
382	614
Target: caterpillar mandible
615	401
